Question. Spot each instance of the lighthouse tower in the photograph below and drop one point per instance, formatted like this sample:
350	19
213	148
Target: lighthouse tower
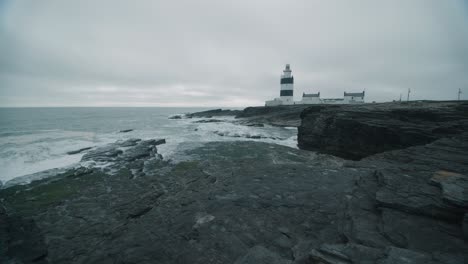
287	86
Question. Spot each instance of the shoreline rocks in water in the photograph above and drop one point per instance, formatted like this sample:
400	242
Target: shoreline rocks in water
213	113
209	121
73	152
246	202
283	116
125	130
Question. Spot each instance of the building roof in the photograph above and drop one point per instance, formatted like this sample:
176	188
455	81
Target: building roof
311	95
355	94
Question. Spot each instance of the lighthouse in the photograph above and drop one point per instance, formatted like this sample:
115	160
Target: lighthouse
287	86
287	94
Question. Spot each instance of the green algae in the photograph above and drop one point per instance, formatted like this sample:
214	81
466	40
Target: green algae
41	194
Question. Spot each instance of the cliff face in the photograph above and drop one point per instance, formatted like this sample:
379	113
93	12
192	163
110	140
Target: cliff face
357	131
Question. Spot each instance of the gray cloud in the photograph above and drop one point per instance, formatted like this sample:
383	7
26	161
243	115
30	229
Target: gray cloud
227	53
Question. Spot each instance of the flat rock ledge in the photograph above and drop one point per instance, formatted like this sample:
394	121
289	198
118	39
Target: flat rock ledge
358	131
244	202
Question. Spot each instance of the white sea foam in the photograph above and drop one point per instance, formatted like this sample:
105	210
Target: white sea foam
30	152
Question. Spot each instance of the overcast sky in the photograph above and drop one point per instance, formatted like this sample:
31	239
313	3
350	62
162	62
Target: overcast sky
228	53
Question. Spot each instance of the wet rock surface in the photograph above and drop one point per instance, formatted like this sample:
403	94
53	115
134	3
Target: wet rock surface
246	135
244	202
213	113
73	152
209	121
247	202
285	115
357	131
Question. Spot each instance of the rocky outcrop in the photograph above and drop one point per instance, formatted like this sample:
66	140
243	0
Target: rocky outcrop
245	135
251	202
213	113
208	121
357	131
247	202
125	130
285	115
73	152
128	150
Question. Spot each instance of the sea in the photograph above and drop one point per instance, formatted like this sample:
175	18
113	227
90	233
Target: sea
35	141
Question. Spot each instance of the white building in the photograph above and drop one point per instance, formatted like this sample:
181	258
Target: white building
310	99
287	94
354	98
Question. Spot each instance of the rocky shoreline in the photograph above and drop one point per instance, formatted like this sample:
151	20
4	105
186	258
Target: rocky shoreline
399	198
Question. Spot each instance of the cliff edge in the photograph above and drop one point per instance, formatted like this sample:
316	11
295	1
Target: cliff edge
357	131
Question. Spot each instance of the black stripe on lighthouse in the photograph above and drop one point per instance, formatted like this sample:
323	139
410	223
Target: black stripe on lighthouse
287	80
286	93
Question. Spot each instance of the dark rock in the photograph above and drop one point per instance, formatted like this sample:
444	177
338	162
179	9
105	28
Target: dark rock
236	135
125	130
144	149
20	240
465	226
346	253
454	187
176	117
154	142
261	255
250	202
78	150
413	194
104	154
129	142
357	131
256	125
402	256
126	151
212	113
140	212
209	121
233	197
284	116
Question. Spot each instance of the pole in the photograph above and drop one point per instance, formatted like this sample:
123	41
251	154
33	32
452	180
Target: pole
409	91
400	97
459	93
